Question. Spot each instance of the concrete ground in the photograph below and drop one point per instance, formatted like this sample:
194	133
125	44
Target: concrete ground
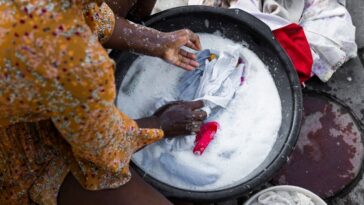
356	9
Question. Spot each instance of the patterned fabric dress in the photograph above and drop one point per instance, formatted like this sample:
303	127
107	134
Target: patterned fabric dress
56	101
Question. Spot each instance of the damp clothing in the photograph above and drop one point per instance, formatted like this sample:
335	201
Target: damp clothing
57	101
219	75
215	81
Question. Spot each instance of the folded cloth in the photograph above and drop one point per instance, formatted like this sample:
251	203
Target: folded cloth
293	40
326	23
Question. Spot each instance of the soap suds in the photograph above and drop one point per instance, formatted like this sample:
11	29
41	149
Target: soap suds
249	124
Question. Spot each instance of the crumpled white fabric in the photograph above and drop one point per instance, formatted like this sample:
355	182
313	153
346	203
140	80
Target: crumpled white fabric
327	25
283	198
219	81
214	82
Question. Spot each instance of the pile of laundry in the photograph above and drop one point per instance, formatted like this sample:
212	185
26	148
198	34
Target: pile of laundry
244	115
318	35
214	82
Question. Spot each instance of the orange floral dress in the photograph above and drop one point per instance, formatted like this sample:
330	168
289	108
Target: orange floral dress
57	101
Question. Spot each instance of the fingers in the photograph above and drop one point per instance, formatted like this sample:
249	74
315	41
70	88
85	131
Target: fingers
163	108
194	41
189	39
194	105
188	55
185	66
194	126
199	115
188	58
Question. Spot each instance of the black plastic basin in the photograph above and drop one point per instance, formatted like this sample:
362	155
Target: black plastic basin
238	26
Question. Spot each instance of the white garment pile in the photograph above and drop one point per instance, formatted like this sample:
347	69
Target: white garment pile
283	198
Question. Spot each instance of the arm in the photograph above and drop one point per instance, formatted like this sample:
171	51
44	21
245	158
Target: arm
130	36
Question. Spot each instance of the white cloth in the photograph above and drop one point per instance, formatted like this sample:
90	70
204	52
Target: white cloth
287	9
327	25
283	198
214	82
220	79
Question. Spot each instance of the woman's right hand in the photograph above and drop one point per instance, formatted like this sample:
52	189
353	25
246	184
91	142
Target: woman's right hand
181	118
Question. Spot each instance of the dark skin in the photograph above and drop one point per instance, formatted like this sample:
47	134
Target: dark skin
175	119
133	37
130	36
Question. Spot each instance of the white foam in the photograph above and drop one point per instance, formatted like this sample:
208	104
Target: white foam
249	125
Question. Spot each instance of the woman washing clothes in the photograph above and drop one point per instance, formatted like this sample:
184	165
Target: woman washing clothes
61	137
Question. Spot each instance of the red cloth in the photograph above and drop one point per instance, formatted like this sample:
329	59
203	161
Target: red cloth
205	136
293	40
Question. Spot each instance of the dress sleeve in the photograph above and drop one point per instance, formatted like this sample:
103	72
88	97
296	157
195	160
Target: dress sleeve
100	19
81	96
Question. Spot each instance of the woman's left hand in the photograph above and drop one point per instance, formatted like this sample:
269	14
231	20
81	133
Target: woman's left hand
172	52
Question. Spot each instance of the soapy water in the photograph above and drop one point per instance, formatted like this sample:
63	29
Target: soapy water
248	126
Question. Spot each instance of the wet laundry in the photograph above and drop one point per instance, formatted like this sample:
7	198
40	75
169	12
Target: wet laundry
249	123
215	81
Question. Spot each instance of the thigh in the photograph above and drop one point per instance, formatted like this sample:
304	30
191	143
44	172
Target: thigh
135	192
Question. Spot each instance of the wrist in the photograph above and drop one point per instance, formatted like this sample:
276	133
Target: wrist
156	46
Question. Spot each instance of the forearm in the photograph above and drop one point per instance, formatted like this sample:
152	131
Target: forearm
136	38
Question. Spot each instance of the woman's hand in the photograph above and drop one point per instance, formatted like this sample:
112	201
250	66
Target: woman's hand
171	51
134	37
176	118
181	118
